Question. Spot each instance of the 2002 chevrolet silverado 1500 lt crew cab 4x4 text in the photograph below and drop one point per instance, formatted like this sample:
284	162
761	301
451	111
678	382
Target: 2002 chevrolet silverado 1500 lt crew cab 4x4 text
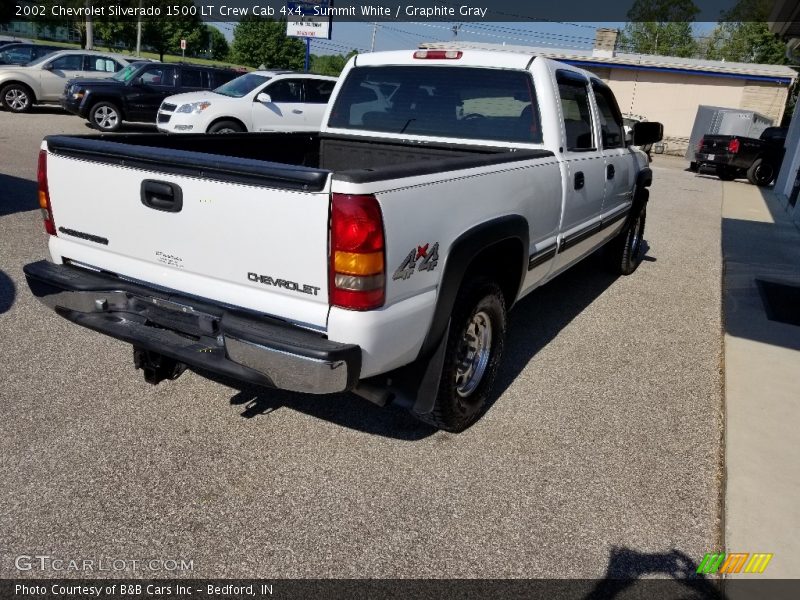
379	256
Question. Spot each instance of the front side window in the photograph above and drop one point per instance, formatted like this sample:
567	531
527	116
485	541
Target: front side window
577	114
70	62
161	76
440	101
613	135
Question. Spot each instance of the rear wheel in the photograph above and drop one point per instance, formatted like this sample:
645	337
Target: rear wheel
726	173
226	127
473	354
761	172
17	98
105	116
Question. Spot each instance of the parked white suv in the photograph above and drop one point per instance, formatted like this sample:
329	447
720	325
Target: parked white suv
44	80
256	101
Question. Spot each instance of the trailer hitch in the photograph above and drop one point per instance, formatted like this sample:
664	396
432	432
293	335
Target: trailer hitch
157	367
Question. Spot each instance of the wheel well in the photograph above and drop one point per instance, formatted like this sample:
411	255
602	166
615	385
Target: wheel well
502	263
20	83
114	101
232	119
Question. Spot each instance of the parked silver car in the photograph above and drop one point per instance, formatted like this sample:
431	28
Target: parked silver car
43	81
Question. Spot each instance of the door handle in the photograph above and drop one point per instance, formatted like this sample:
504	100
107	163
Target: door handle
579	180
610	172
297	111
161	195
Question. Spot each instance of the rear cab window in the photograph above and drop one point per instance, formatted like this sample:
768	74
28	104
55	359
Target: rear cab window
441	101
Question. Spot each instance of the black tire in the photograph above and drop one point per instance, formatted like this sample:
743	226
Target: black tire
726	173
761	172
467	380
17	97
624	252
226	127
693	167
106	116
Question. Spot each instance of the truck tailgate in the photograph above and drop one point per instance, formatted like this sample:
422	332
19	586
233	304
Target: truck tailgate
250	234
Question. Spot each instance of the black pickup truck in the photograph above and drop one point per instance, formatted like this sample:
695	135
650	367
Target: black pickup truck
734	156
136	92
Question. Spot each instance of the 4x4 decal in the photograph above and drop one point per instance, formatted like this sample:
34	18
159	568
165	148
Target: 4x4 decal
428	257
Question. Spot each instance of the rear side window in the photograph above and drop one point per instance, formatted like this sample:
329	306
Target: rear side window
613	135
578	125
191	78
101	64
441	101
285	90
218	78
318	91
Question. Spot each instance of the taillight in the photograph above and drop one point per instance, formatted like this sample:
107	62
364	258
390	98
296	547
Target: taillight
357	272
700	144
44	194
439	54
733	146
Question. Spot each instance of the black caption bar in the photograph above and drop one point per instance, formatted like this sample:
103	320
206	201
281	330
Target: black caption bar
377	10
694	587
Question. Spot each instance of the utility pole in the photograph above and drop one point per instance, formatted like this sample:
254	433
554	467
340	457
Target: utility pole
374	33
139	31
89	27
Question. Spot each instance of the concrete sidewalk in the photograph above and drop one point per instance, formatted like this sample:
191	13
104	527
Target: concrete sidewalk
762	381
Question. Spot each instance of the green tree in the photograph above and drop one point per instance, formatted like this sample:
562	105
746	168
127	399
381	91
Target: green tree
219	45
660	27
330	64
165	34
258	41
743	36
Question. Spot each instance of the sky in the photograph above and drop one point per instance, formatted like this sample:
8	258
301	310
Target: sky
393	35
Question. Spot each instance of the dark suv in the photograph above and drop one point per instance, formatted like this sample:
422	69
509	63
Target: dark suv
136	92
21	54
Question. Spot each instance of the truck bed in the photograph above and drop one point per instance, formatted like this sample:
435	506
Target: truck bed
300	161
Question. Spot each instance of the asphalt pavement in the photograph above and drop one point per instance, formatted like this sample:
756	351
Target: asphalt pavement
601	453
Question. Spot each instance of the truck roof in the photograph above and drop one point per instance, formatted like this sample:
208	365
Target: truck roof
467	58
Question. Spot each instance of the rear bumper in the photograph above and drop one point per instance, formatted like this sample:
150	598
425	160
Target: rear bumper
723	159
199	333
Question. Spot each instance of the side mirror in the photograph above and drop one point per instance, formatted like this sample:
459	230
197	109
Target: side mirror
264	98
48	66
137	81
647	132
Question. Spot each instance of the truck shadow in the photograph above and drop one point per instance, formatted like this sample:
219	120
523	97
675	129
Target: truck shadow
630	575
8	292
539	317
17	195
534	322
346	410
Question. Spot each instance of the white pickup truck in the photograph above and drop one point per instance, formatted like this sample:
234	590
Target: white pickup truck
379	256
